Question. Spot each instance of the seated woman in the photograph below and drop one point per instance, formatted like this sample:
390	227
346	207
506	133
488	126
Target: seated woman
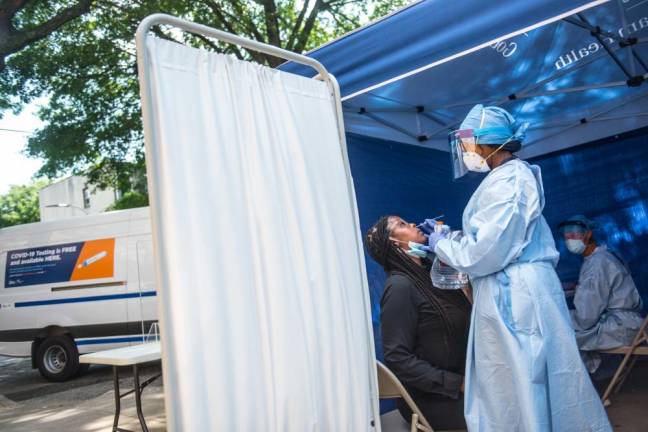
424	329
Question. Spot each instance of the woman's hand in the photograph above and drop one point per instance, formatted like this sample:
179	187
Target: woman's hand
462	385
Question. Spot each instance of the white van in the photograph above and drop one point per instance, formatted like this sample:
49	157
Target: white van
74	286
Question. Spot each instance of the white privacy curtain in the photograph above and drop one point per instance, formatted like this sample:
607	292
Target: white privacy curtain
264	303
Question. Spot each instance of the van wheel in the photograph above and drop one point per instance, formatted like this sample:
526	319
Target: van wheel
57	358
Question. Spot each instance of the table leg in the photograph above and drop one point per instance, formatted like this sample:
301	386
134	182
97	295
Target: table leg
138	399
117	398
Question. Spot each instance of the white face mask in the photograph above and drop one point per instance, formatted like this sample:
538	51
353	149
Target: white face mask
475	162
575	246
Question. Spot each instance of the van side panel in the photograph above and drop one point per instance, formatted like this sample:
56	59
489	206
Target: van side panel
95	311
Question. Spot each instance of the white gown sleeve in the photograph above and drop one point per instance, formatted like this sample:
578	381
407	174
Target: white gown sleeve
592	293
497	231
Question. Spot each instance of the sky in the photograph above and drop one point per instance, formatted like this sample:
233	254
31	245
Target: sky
16	168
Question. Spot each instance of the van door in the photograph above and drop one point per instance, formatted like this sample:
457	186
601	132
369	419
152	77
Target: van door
142	309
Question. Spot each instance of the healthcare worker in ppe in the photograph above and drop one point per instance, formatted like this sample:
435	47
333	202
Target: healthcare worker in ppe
523	368
607	304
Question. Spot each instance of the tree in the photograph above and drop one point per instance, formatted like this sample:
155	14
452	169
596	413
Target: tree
130	199
23	22
88	71
20	205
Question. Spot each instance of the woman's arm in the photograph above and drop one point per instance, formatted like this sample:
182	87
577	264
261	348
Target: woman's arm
399	320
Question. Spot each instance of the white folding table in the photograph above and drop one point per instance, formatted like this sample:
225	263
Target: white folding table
129	356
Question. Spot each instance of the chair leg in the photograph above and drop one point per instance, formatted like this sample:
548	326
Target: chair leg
625	374
615	378
640	338
414	427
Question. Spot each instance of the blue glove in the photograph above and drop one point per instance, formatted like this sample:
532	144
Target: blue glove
427	226
433	239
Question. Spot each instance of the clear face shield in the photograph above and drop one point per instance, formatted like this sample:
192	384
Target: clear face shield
461	141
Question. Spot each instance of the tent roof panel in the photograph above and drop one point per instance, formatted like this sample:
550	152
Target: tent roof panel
570	84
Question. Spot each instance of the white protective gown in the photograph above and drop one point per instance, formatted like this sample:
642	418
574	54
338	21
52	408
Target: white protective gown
523	369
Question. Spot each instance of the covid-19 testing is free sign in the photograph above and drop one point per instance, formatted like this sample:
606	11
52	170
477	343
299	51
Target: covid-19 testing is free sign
92	259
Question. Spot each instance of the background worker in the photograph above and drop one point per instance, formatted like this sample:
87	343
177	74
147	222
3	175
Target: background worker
607	304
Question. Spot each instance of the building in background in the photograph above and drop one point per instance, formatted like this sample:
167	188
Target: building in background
73	196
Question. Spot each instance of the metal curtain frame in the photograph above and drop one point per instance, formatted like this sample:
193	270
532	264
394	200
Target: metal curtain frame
152	164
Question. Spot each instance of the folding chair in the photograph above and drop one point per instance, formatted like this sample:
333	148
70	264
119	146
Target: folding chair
389	387
639	347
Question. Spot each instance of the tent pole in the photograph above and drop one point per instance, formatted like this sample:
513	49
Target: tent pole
624	22
589	120
532	87
429	116
475	48
592	117
587	26
525	94
623	42
635	55
393	126
572	89
419	108
518	96
416	110
597	34
380	110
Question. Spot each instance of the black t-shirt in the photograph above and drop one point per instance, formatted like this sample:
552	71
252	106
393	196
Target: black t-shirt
416	342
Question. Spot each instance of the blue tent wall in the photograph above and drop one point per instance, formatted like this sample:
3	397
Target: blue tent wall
408	181
606	180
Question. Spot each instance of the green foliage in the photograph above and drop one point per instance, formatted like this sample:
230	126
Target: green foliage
87	70
20	205
130	200
383	8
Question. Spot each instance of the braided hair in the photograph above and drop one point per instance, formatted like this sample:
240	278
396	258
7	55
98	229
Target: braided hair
395	261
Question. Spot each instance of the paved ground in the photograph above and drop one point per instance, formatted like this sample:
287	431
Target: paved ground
28	403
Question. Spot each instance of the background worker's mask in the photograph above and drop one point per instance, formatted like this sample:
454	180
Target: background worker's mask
575	246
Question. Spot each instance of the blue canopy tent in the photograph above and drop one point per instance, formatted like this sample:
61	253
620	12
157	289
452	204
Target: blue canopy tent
576	70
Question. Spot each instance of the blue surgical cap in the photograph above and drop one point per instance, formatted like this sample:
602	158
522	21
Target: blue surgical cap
578	221
498	126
